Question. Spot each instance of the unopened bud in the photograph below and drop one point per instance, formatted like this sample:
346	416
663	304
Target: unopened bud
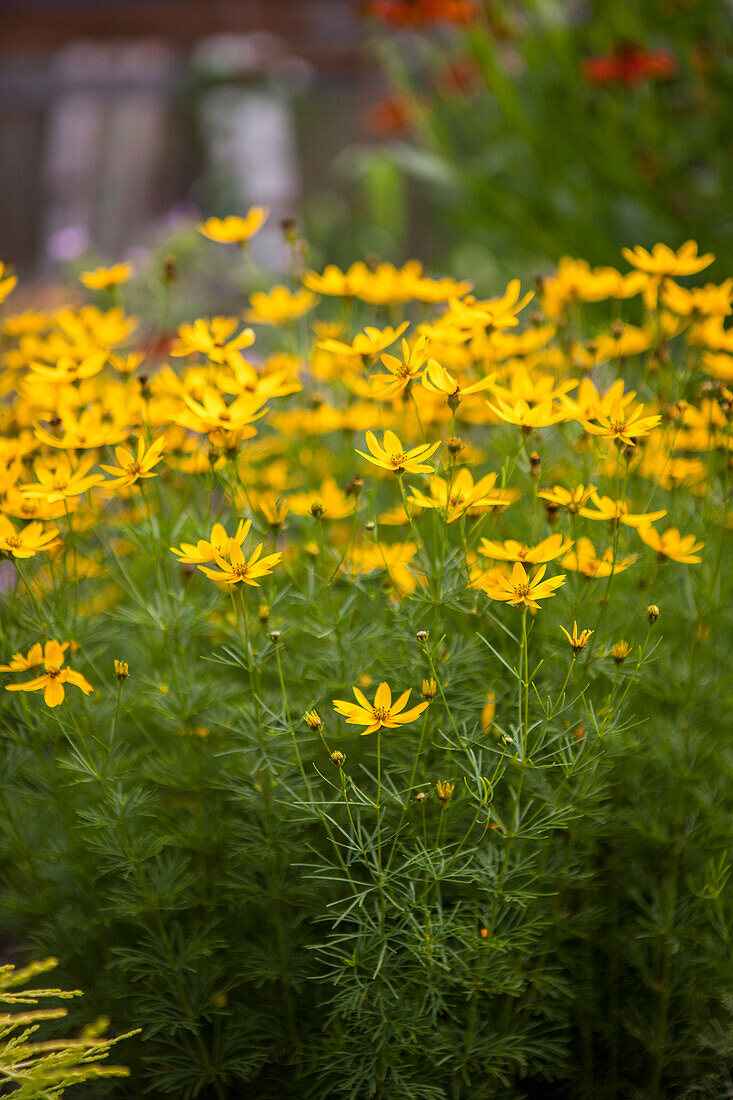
455	445
122	670
444	790
422	636
453	401
355	486
652	612
316	509
170	270
338	758
274	636
429	688
263	612
369	526
313	720
289	230
535	463
420	796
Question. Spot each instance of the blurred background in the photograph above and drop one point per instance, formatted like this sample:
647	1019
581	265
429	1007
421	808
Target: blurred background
488	137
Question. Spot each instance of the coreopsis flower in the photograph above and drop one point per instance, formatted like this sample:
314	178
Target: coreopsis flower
618	510
401	371
623	425
233	229
429	689
55	676
7	281
381	713
103	278
511	550
215	339
571	500
577	642
205	550
396	558
583	559
392	455
703	301
19	663
278	306
58	479
67	370
663	261
519	589
438	380
234	568
672	545
132	468
367	343
461	496
272	506
122	670
31	540
526	417
212	414
620	651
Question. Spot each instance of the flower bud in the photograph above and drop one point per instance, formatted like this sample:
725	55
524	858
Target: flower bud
420	796
620	651
169	272
455	445
337	758
429	688
263	612
652	613
274	636
313	721
444	790
422	636
122	670
316	509
535	463
355	486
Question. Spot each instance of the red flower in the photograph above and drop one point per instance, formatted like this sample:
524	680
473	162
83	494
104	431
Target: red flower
388	116
420	13
628	66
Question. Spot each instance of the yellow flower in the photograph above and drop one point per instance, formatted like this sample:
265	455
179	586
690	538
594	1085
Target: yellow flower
26	543
572	500
672	545
662	260
313	720
19	663
331	502
218	543
58	479
367	343
401	371
623	425
278	306
132	467
614	510
429	688
52	682
577	641
438	380
518	590
582	559
704	301
213	414
528	418
237	569
214	338
383	712
465	495
7	282
392	456
620	651
235	230
105	277
68	370
547	550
